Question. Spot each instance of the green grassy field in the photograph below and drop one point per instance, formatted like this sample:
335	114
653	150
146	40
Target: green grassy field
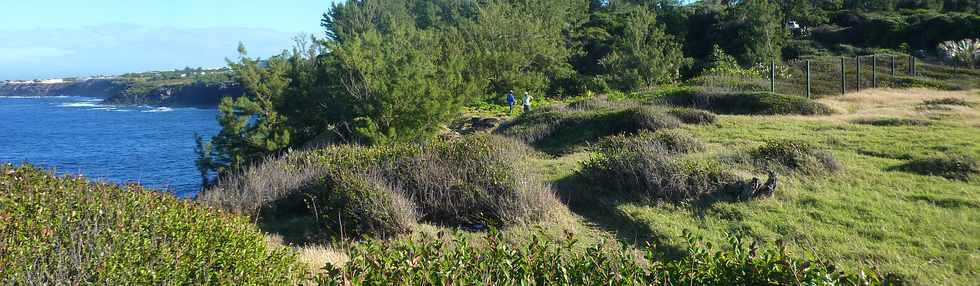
869	215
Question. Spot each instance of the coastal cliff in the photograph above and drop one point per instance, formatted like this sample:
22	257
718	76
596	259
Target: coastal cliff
101	88
127	92
197	94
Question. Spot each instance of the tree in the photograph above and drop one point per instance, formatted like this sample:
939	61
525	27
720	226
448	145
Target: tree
755	32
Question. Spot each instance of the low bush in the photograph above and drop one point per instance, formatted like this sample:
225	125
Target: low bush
891	122
759	103
674	141
953	166
693	116
546	261
382	191
70	231
797	156
477	180
646	171
947	101
910	82
556	129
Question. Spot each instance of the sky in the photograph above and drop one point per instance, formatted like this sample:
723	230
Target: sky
42	39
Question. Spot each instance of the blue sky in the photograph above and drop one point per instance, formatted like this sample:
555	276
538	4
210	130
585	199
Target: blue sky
59	38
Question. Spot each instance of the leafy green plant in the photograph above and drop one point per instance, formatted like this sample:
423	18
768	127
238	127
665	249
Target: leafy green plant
547	261
762	103
67	230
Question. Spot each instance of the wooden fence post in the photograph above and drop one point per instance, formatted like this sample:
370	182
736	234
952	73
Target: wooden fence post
807	78
843	77
874	71
857	72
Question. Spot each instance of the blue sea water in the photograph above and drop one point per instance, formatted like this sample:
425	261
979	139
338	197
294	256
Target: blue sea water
153	146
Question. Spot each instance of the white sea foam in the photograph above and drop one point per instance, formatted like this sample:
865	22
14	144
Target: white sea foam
80	104
159	109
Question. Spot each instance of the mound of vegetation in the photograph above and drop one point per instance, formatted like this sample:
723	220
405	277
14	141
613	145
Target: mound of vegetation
947	101
645	168
693	116
796	156
910	82
70	231
545	261
891	122
557	128
756	103
952	166
478	180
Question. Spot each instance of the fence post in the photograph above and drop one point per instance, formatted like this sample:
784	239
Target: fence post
874	71
843	77
911	64
857	72
807	78
772	75
893	65
914	72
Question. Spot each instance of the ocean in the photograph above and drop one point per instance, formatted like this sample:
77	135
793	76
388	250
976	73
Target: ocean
153	146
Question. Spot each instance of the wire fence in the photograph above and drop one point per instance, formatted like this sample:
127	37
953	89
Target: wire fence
826	76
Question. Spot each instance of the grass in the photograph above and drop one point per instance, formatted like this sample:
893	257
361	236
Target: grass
70	231
923	228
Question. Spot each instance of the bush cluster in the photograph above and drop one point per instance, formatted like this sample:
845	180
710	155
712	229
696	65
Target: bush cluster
947	101
645	168
478	180
70	231
950	166
797	156
758	103
557	128
891	122
545	261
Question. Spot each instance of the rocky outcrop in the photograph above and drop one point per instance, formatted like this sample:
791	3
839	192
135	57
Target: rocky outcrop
101	88
197	94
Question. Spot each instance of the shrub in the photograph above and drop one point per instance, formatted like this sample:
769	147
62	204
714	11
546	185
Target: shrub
762	103
673	141
910	82
382	191
891	122
70	231
477	180
947	101
693	116
546	261
795	156
953	166
557	129
639	169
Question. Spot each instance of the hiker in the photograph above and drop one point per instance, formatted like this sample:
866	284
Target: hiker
527	101
511	100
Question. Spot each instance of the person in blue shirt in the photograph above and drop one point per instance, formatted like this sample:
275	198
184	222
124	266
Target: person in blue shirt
511	100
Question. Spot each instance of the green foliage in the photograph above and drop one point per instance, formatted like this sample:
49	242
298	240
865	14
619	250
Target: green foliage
750	103
951	166
693	116
547	261
67	230
402	93
798	156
